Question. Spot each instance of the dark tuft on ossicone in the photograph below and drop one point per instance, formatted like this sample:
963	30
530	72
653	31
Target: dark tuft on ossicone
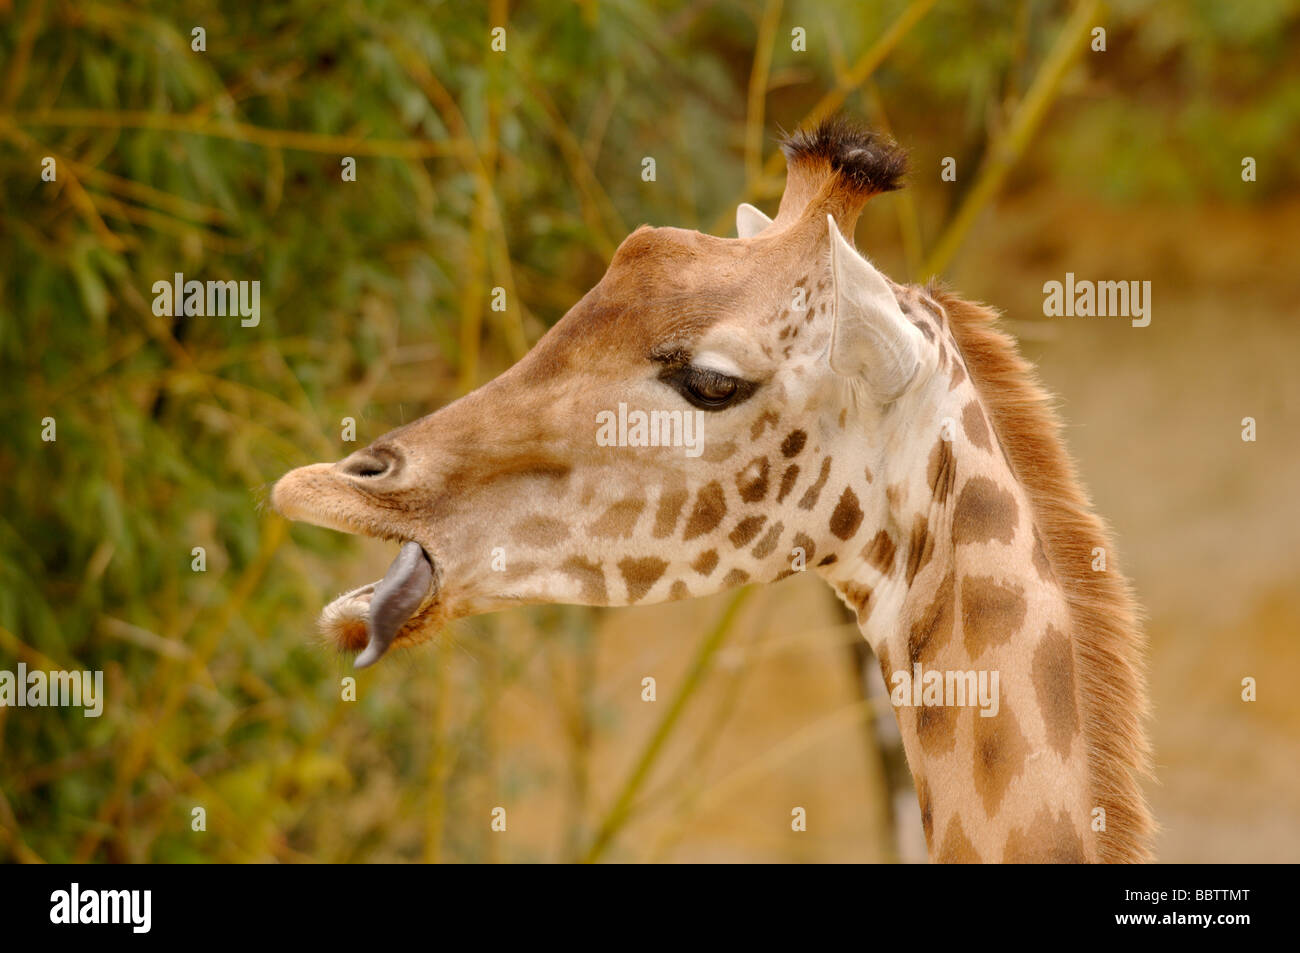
866	161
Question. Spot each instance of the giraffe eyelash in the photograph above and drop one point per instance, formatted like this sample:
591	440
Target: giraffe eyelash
705	388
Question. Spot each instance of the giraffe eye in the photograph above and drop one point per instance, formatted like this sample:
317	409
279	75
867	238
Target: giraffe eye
707	389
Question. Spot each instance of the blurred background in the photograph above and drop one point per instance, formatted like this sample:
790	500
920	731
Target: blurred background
521	169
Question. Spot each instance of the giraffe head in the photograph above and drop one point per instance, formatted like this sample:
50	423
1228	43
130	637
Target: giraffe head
695	422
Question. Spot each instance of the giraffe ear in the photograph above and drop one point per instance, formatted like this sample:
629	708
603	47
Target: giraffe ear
750	221
871	337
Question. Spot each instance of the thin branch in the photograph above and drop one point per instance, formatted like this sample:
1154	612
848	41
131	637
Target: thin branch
759	75
239	132
862	69
621	810
1024	123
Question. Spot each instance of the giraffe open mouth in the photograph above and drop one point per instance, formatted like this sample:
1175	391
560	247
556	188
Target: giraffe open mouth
399	606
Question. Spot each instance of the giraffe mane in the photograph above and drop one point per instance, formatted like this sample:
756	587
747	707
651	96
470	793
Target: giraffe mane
1105	632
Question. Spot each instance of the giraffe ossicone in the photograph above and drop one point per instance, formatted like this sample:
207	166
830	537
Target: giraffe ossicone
884	436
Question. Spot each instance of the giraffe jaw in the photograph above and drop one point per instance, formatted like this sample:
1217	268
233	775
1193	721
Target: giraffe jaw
402	607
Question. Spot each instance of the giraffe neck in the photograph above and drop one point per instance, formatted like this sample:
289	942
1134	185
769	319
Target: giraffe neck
957	591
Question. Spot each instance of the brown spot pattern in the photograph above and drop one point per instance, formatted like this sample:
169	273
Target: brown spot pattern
956	847
735	578
590	575
640	574
990	613
751	482
927	809
670	508
813	492
767	545
932	630
678	591
706	562
880	552
941	473
793	443
541	531
936	728
619	520
1054	683
1045	840
976	427
710	508
746	530
985	511
718	452
762	423
858	595
1000	750
787	481
847	516
920	547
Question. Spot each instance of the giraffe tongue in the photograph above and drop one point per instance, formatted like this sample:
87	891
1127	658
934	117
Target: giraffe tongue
395	600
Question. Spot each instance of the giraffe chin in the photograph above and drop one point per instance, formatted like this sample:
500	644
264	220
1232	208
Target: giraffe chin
400	609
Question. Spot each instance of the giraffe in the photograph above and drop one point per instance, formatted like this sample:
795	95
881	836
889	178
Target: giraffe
885	436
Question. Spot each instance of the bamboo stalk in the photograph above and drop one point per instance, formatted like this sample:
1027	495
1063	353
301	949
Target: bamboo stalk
858	74
1024	123
759	74
439	771
621	810
753	770
909	219
201	125
177	684
16	78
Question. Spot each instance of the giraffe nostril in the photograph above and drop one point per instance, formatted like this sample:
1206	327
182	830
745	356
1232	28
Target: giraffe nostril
372	463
